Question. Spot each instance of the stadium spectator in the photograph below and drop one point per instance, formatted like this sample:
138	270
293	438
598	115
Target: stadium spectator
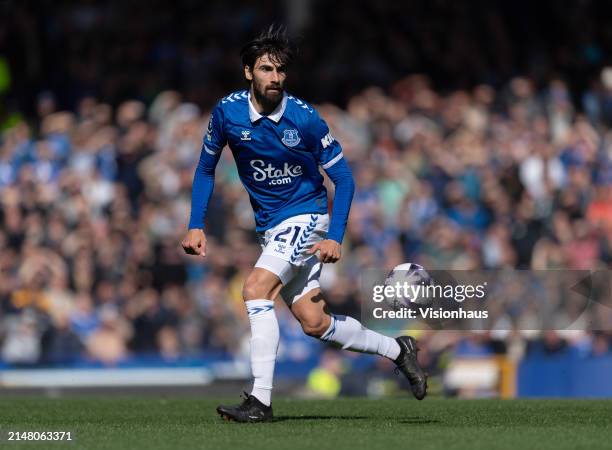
471	167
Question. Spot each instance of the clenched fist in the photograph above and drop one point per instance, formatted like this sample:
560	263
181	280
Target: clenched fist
195	242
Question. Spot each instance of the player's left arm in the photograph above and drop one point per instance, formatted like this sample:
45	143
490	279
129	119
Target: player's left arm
330	157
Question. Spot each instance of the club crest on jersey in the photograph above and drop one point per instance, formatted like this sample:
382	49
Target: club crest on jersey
291	138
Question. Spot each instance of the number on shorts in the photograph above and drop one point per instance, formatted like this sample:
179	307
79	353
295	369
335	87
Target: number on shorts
279	237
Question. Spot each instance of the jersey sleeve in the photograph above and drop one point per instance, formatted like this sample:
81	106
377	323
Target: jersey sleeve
326	148
204	177
328	154
215	138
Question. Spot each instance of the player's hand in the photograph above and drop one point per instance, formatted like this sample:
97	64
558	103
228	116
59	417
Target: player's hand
329	250
195	242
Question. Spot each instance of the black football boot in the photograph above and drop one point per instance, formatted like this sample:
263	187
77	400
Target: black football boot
407	364
250	410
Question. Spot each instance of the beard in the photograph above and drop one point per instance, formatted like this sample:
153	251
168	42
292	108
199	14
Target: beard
268	96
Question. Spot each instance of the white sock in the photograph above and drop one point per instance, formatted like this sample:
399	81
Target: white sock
264	345
351	335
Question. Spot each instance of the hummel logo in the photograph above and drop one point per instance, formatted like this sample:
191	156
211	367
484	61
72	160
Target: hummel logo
246	135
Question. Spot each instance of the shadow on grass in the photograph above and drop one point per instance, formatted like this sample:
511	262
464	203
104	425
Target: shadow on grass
407	420
285	418
417	420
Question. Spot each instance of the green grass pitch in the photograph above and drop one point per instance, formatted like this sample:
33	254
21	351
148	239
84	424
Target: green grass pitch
185	423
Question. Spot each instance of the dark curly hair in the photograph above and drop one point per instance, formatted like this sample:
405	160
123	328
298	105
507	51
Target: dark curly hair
274	42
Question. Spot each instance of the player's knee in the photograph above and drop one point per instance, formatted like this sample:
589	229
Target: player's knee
253	291
315	326
255	288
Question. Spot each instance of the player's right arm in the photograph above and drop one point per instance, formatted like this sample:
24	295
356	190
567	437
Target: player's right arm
194	242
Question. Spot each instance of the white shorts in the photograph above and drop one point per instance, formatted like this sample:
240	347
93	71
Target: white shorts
285	254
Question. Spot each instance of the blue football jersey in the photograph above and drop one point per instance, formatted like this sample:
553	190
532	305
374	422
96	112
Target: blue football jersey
278	156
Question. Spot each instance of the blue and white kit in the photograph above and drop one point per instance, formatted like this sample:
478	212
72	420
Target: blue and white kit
278	157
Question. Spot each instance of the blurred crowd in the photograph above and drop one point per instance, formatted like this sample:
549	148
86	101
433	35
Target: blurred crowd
76	49
94	203
468	167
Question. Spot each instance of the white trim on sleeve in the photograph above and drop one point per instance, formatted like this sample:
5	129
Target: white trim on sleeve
333	161
209	151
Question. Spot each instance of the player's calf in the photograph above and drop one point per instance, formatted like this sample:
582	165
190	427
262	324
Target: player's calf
316	326
311	312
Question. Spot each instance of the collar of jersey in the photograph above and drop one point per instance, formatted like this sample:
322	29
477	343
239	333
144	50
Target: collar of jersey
274	115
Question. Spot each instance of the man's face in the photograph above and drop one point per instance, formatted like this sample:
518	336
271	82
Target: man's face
268	78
